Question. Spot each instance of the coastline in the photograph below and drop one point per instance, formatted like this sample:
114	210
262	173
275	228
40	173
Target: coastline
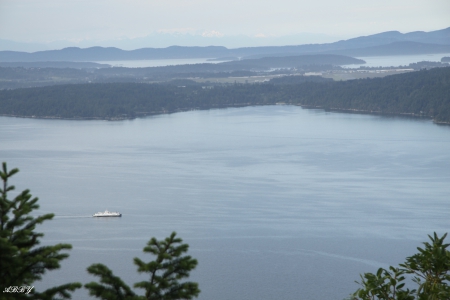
163	112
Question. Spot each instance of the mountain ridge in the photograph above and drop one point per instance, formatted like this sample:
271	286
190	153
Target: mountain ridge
417	42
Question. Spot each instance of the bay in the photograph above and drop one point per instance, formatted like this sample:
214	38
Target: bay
157	62
398	60
276	202
371	61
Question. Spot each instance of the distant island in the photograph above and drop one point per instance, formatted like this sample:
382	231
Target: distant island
34	74
396	48
445	59
385	43
293	61
423	93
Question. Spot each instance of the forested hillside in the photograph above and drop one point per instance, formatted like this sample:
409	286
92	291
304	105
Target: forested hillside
424	93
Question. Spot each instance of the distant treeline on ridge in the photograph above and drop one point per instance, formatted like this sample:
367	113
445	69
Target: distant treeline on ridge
423	93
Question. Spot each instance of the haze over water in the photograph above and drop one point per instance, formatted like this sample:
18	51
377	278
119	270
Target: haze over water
276	202
372	61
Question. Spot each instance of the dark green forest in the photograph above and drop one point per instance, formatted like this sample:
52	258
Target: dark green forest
423	93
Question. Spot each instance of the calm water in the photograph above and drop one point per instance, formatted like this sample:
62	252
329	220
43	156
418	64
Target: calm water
373	61
157	62
398	60
276	202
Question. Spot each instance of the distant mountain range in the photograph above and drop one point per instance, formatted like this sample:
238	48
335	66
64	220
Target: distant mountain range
166	39
396	48
386	43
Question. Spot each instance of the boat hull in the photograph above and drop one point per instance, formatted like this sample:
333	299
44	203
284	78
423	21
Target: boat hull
120	215
107	213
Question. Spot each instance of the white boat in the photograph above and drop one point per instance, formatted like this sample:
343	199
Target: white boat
107	214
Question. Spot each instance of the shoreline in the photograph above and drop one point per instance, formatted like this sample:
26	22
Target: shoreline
163	112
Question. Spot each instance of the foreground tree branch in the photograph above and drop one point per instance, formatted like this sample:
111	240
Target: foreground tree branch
22	261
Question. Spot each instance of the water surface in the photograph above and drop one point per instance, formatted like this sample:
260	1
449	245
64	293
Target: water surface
398	60
157	62
276	202
372	61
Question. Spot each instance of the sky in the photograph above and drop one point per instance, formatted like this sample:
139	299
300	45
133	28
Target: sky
158	23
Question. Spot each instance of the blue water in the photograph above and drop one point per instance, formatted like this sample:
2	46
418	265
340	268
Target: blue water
157	62
371	61
276	202
398	60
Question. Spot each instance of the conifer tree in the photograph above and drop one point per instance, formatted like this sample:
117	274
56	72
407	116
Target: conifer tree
22	261
165	273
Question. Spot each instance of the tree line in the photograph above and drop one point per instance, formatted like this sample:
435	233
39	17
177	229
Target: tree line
25	77
423	93
49	73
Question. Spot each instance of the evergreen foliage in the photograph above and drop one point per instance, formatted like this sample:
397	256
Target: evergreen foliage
430	269
22	261
423	93
165	273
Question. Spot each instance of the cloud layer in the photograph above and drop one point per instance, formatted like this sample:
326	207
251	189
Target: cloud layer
45	21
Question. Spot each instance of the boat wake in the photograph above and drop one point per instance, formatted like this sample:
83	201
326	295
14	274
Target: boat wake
71	217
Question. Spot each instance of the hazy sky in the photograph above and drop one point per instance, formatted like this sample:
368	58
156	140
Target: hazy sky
78	20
